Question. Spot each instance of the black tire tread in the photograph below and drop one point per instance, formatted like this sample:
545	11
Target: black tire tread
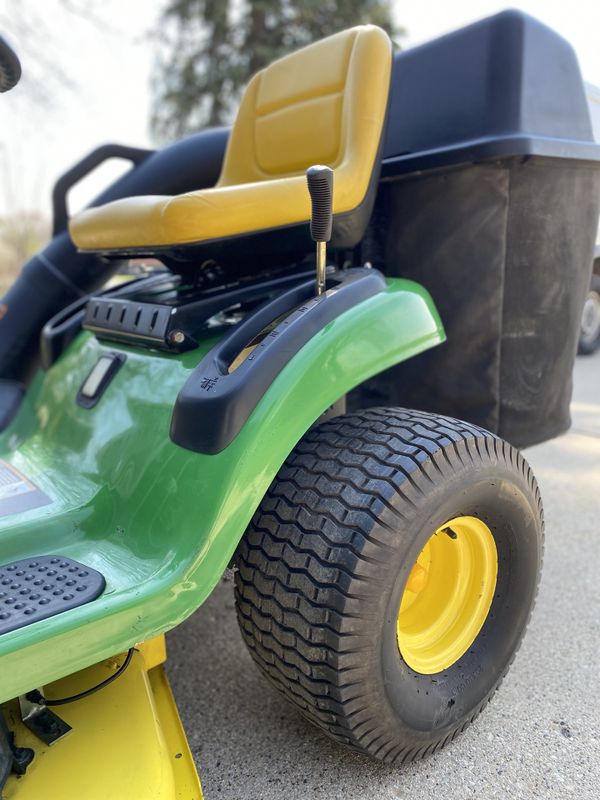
313	549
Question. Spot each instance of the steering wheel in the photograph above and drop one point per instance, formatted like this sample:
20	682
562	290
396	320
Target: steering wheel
10	67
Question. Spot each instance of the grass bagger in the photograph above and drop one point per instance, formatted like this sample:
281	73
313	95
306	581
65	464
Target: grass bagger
247	405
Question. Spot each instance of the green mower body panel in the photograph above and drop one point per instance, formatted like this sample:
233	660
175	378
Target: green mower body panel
160	522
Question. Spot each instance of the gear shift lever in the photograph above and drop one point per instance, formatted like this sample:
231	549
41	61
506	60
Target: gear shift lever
320	186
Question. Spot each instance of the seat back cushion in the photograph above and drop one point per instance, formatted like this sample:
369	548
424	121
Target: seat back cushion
323	104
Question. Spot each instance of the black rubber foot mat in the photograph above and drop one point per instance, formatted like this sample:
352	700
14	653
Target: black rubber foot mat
40	587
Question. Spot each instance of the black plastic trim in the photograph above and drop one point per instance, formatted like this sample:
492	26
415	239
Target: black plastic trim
214	404
132	322
170	326
489	149
62	329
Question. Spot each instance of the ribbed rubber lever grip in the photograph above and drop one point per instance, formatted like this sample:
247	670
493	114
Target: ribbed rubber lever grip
320	186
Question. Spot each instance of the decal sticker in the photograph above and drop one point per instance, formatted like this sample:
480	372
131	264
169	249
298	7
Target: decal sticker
18	493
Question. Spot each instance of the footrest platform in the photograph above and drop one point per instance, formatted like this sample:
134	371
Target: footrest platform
40	587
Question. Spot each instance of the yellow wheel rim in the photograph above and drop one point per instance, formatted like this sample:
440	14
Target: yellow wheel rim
448	595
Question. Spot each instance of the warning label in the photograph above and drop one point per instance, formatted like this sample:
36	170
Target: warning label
17	493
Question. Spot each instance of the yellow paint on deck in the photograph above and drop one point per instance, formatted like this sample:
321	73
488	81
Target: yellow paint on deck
127	741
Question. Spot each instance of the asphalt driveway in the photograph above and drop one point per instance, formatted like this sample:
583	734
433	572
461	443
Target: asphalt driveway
539	738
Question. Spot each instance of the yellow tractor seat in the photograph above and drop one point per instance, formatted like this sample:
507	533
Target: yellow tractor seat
325	103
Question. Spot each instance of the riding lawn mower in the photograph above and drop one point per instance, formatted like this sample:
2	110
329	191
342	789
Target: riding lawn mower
380	244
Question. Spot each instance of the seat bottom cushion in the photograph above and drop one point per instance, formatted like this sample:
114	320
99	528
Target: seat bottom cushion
150	223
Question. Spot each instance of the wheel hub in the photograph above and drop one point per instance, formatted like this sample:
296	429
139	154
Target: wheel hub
448	595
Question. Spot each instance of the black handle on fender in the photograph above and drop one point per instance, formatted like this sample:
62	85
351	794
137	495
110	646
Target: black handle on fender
79	171
320	186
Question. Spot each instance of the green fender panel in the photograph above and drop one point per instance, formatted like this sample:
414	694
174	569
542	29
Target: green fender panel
160	522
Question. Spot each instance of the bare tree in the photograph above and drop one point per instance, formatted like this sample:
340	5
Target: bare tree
208	49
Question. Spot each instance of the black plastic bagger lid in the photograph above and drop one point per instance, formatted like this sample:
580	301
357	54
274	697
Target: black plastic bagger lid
505	86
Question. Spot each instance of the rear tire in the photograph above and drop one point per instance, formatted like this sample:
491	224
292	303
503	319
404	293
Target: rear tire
589	337
323	568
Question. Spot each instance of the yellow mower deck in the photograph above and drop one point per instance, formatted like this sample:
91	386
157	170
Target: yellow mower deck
127	741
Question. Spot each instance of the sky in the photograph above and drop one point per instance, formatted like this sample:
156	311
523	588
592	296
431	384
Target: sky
108	65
